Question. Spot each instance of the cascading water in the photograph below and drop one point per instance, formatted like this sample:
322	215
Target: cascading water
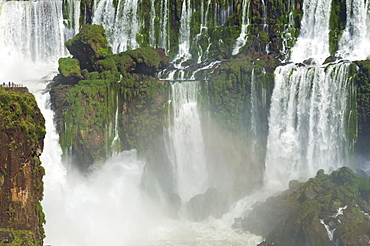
184	38
313	40
32	35
287	34
308	122
242	39
355	40
203	55
165	37
310	106
186	148
254	111
121	24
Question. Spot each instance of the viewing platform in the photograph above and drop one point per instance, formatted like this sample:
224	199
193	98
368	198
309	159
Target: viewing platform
11	85
14	87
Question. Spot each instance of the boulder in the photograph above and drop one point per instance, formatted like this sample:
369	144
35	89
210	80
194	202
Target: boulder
308	212
174	205
89	45
69	71
202	206
332	59
148	61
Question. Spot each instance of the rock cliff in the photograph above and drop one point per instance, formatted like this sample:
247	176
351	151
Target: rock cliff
21	187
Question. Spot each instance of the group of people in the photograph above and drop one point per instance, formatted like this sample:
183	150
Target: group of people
9	84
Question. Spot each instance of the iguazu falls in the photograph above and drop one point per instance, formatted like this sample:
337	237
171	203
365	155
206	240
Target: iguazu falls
185	122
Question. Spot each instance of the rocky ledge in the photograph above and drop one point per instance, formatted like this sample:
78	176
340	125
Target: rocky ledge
326	210
22	134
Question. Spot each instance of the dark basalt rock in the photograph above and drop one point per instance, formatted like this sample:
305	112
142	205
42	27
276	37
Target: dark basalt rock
310	61
302	214
211	203
331	59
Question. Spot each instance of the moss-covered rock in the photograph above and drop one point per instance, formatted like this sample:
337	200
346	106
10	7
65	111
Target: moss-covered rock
89	45
110	92
22	131
11	237
148	60
335	203
69	70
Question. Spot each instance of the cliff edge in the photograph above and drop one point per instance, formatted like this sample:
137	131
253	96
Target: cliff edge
22	134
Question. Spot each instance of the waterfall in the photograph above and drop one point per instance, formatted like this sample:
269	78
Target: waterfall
310	106
122	24
254	113
203	54
308	122
184	39
165	36
264	16
313	40
116	142
223	11
186	148
355	40
265	25
287	33
242	39
32	34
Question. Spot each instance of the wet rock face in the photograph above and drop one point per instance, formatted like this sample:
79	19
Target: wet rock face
325	209
21	187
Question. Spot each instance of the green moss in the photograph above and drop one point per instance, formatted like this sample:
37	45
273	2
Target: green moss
107	64
147	55
20	237
337	23
18	109
230	90
362	82
69	67
92	35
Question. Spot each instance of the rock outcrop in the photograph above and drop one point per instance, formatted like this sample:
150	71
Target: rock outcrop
21	187
96	91
211	203
323	210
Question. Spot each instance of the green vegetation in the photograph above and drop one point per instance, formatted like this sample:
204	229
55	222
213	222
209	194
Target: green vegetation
17	237
120	85
362	82
337	23
18	109
70	68
230	90
299	212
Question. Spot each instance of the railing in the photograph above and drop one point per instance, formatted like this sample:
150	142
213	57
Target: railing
11	84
